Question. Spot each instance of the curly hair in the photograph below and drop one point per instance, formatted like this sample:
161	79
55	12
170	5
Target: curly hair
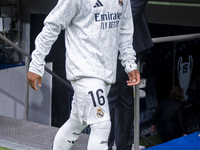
177	93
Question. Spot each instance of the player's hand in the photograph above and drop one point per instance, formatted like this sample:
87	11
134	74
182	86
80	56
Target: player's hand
134	78
32	78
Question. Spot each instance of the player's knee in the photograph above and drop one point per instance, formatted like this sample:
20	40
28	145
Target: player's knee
61	142
99	135
68	134
101	128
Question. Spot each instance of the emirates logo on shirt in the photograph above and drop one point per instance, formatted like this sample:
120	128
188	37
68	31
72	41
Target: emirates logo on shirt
121	2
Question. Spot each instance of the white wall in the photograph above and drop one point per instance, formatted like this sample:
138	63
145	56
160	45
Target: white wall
13	96
13	80
40	100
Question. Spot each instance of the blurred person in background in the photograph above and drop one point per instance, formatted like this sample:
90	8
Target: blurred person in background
168	117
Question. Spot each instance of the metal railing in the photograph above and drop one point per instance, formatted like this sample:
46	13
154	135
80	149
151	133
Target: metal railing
18	49
136	101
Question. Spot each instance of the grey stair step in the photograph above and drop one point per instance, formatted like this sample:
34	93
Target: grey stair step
26	135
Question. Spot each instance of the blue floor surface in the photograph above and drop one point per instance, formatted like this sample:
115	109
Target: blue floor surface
189	142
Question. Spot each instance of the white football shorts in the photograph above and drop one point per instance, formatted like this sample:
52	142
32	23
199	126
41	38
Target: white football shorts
90	103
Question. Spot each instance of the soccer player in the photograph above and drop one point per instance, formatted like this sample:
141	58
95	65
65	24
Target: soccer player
95	31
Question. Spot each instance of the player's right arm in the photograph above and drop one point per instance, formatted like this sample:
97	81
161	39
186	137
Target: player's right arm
33	78
58	19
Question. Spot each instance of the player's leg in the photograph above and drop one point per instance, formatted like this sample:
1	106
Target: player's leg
92	106
100	128
68	134
98	139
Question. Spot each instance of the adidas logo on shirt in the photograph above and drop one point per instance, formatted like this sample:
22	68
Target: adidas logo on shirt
98	4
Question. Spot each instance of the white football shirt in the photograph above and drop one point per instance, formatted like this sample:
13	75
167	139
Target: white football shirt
95	30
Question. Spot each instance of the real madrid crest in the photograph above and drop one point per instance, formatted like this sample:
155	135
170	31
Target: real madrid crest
120	2
100	113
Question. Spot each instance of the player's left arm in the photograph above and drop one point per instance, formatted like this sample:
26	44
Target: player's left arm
134	78
127	53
